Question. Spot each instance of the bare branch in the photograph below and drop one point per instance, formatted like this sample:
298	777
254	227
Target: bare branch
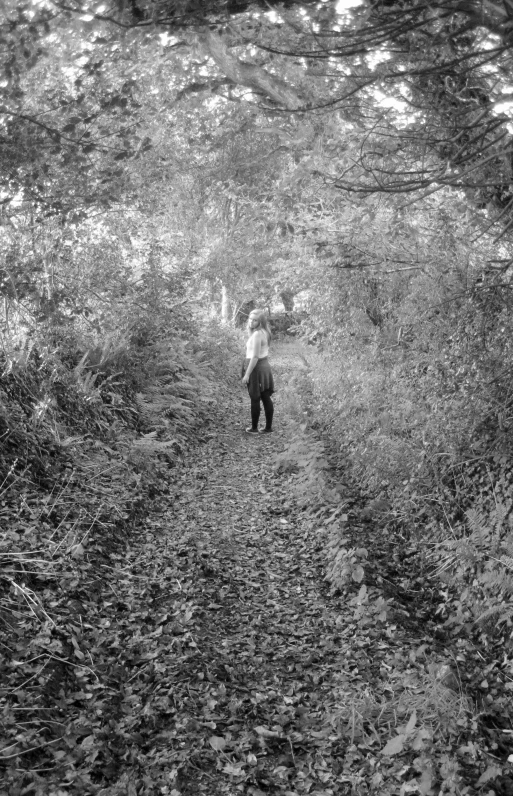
247	74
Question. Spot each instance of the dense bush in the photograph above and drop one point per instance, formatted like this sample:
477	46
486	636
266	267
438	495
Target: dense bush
413	383
92	432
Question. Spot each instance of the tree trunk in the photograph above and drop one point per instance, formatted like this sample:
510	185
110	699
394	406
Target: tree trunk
242	315
225	305
287	297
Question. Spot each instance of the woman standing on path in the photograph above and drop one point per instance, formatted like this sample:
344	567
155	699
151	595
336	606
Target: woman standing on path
257	372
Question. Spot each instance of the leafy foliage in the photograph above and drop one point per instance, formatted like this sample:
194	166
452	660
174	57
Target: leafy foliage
480	562
80	463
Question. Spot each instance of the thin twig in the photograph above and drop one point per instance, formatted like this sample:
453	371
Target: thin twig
25	751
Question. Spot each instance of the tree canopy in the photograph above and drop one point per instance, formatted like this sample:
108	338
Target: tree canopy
256	150
417	93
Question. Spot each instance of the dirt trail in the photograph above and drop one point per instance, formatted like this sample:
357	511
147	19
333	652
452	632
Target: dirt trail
254	654
205	654
245	676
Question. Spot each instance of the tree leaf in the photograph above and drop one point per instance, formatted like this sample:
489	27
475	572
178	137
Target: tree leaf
77	551
217	742
357	573
411	723
394	746
490	773
425	782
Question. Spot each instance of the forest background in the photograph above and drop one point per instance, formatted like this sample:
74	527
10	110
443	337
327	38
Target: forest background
162	164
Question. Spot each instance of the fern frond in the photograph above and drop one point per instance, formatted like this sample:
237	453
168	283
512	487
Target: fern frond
499	611
478	524
150	445
507	561
495	581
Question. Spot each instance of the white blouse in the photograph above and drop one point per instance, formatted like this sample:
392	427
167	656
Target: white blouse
257	345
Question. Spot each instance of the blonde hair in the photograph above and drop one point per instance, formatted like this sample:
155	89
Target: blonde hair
261	316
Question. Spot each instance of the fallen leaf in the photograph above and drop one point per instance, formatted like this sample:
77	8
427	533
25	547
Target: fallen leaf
234	770
217	742
490	773
394	746
411	723
264	732
425	782
357	573
77	551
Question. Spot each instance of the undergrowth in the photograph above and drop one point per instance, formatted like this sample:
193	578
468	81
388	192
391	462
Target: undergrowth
90	440
400	451
410	718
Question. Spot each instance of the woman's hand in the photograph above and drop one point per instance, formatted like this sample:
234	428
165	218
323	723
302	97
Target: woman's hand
252	365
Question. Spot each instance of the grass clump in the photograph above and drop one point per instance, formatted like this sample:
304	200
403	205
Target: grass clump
433	696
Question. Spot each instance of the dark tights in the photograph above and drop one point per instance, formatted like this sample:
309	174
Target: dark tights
266	399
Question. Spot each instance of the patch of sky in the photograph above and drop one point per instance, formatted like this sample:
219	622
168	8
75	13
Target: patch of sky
403	113
273	16
343	5
167	40
503	106
378	57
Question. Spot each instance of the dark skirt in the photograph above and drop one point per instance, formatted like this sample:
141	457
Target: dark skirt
260	379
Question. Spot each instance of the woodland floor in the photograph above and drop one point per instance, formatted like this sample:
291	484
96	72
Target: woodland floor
253	677
215	658
252	657
264	637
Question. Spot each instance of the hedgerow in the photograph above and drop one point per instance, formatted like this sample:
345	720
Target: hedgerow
90	440
421	420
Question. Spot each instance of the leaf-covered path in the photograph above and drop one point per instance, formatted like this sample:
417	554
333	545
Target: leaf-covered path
225	665
237	635
245	677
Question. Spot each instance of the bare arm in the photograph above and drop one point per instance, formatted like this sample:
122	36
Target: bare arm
250	369
253	361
